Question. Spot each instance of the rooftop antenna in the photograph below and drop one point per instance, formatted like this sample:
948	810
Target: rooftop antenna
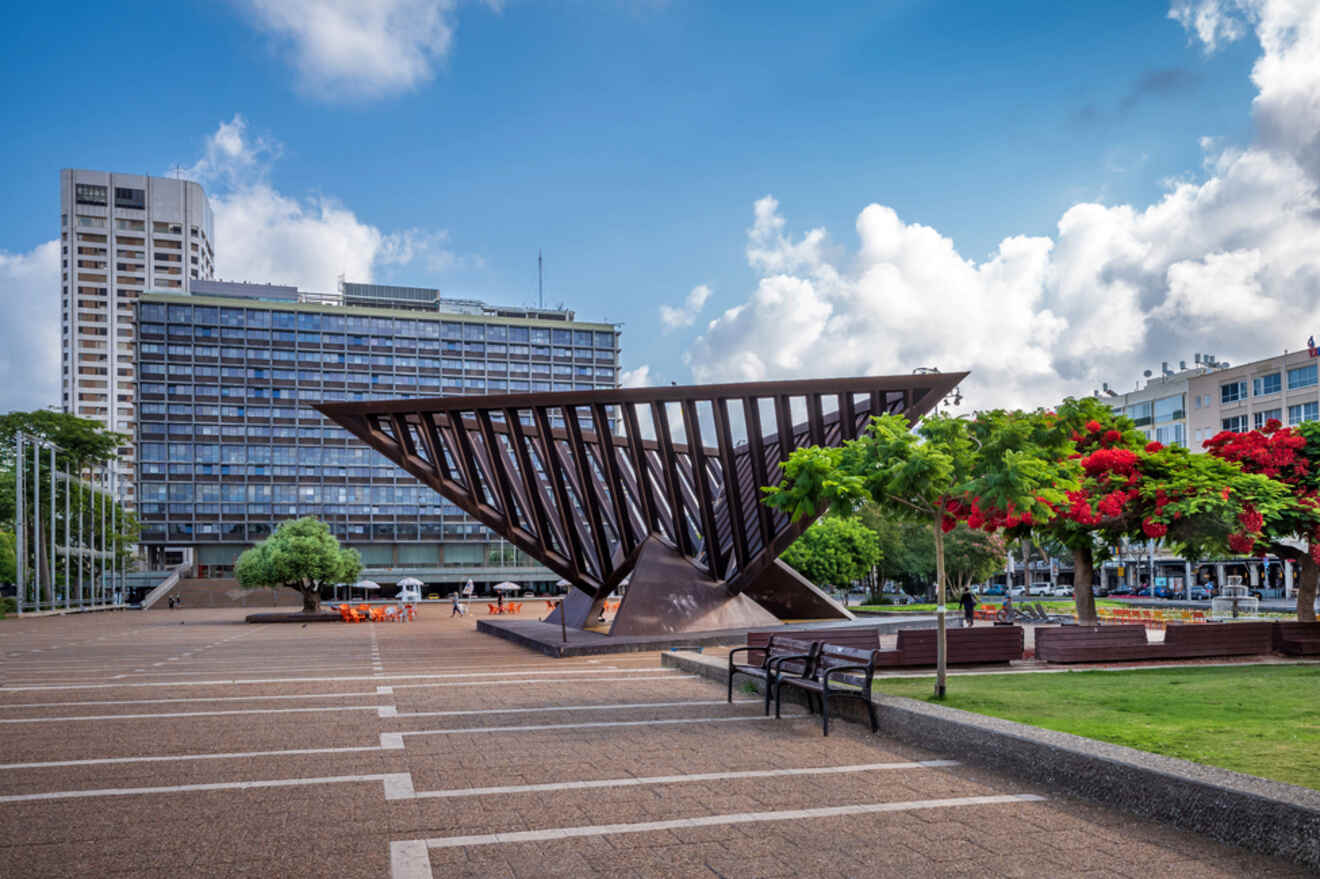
540	289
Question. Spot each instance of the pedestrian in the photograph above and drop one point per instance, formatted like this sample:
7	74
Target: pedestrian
171	602
968	606
457	608
499	601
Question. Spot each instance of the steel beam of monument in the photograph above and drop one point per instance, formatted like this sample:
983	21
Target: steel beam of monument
661	486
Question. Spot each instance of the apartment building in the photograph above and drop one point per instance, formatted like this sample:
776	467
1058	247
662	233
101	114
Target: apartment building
121	235
1246	397
229	444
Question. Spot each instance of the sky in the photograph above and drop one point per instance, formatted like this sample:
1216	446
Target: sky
1048	195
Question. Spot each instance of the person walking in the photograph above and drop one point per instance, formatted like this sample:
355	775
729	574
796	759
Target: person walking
457	609
968	607
499	601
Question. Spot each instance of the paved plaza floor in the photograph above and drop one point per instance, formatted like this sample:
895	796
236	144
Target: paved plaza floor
187	744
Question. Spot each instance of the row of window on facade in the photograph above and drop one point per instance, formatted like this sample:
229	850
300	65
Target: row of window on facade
158	371
1159	411
410	495
264	338
238	532
202	315
1298	413
1265	385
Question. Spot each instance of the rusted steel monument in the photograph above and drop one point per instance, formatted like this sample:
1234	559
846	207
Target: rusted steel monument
656	487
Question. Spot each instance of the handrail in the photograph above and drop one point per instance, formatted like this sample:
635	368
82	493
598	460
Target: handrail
163	587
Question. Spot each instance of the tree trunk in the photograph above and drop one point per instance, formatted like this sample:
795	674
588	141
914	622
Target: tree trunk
1083	575
1307	575
941	645
311	599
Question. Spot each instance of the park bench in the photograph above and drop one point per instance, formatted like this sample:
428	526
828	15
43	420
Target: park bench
965	646
1297	639
778	654
833	674
1129	642
867	637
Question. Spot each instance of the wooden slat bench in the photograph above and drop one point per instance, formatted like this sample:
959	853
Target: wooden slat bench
827	673
1129	642
965	646
1297	639
766	660
861	637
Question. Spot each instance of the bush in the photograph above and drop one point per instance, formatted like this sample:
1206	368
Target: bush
8	605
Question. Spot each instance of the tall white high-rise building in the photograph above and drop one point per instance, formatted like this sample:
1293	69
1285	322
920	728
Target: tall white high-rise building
121	235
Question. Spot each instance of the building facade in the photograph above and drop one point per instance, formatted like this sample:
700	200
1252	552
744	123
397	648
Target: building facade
120	236
1246	397
229	444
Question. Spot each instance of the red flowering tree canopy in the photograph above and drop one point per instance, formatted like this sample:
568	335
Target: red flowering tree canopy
1290	455
1132	488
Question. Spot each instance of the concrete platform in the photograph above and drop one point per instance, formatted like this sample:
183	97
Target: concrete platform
547	638
295	617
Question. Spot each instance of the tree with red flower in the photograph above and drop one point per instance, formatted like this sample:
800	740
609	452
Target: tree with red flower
1135	490
1290	455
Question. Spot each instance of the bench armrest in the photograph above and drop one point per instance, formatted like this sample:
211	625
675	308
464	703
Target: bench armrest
777	661
743	650
865	669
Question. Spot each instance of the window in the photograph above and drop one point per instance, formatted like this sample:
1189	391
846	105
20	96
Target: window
1232	392
86	193
1140	413
1237	424
1266	384
1303	411
1169	409
1301	377
1260	418
130	198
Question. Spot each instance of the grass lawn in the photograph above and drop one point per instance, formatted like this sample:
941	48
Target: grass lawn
1262	720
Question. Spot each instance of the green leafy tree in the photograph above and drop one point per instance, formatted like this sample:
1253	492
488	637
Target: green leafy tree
82	441
8	559
908	550
1011	460
837	550
301	555
1136	490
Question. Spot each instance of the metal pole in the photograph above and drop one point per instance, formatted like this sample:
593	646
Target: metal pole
20	533
68	573
105	483
82	545
36	524
50	595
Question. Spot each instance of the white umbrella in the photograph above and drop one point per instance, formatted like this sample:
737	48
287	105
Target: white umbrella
366	584
411	581
506	586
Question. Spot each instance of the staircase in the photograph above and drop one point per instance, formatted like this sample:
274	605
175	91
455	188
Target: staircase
225	592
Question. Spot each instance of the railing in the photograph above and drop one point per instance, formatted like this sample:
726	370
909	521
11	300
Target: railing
163	587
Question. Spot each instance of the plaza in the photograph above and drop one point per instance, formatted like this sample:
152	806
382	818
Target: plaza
185	743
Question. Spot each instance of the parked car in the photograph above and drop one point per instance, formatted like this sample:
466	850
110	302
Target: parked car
993	590
1018	590
1201	593
1040	589
1063	590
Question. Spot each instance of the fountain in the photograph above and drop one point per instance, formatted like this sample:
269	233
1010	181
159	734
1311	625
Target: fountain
1234	600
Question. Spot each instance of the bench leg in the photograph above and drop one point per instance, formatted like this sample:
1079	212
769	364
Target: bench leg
825	712
777	688
731	674
870	710
769	683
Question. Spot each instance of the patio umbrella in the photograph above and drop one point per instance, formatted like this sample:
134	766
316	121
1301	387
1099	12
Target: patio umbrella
506	586
366	584
411	581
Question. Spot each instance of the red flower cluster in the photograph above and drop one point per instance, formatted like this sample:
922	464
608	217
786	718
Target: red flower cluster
1242	543
1154	529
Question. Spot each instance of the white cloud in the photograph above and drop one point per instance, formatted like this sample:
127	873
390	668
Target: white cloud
684	315
360	48
30	350
1225	263
636	378
265	235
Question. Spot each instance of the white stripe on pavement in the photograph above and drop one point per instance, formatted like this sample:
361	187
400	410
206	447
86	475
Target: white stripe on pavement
178	714
676	779
618	706
467	730
397	785
713	820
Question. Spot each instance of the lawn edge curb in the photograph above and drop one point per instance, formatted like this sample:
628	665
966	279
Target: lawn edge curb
1243	810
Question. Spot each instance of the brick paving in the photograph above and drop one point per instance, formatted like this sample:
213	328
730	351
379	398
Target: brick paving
188	744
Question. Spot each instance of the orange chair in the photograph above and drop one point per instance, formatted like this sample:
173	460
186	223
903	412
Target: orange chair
410	612
492	609
377	614
349	615
551	605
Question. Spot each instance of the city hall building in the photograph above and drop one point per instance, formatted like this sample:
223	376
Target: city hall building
228	444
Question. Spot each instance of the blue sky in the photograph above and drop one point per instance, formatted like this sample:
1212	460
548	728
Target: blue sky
630	142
